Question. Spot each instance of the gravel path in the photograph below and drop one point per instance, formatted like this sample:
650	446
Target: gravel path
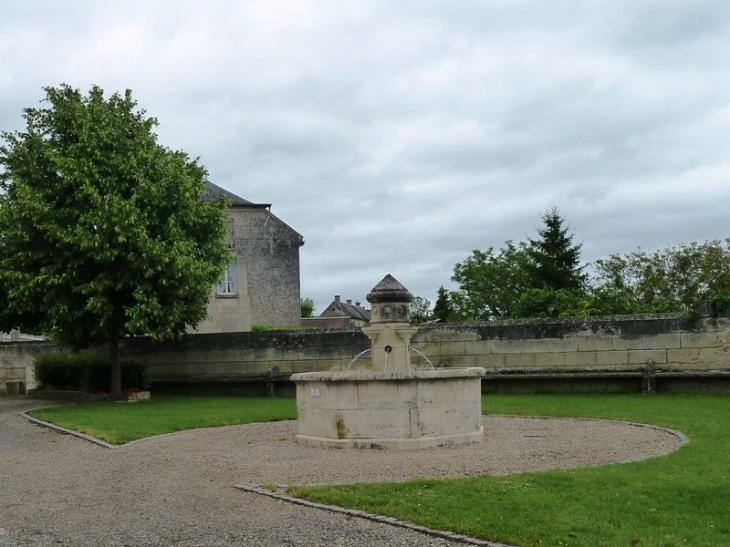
176	489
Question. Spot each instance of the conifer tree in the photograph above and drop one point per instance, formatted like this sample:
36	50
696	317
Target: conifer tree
554	260
442	309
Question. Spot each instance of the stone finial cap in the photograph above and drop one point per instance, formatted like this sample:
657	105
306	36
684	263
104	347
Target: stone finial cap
389	290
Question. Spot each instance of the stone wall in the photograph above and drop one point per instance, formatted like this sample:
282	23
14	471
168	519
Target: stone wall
247	355
267	275
270	250
596	344
608	346
609	349
326	322
16	363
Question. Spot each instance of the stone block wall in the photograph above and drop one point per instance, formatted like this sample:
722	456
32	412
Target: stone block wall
267	275
229	313
602	345
414	409
16	362
247	355
596	344
270	250
589	345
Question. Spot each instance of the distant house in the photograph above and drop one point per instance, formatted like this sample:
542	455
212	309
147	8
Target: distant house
357	315
261	284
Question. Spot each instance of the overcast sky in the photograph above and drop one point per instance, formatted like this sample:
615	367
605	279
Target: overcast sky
397	137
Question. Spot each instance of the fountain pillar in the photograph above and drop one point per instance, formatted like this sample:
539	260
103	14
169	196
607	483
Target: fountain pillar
389	331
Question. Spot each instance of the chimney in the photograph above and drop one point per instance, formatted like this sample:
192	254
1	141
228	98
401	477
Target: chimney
348	301
337	298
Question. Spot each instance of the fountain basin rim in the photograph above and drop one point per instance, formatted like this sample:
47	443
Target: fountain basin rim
369	375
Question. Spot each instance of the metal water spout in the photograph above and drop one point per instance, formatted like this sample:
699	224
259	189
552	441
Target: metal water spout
389	331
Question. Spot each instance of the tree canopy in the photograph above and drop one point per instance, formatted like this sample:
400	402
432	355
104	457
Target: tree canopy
491	284
540	277
420	309
673	279
543	277
307	307
104	233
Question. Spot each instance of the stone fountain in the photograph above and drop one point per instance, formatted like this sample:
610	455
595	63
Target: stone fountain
391	404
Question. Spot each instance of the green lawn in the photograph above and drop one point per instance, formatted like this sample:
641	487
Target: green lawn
682	499
679	499
119	423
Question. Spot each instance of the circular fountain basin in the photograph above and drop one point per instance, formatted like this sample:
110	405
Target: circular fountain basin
396	410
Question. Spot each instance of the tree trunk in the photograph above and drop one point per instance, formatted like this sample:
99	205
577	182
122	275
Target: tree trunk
116	369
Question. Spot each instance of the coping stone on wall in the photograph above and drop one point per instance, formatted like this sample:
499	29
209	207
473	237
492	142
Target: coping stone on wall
627	325
286	340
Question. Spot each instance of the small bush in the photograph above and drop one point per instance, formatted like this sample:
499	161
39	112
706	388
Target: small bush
58	370
87	371
721	304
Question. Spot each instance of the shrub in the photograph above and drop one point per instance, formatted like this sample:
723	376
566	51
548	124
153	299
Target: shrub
721	304
87	371
59	370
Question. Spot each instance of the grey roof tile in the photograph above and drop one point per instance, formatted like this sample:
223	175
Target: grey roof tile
214	191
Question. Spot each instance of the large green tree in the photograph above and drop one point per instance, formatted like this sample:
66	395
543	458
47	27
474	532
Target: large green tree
540	277
104	233
490	283
673	279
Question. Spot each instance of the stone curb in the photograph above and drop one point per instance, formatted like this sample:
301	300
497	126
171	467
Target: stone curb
98	441
67	431
369	516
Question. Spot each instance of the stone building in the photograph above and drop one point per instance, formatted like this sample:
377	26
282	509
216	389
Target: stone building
261	284
357	315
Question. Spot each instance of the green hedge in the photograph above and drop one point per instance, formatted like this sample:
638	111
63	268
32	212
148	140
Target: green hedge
720	304
88	371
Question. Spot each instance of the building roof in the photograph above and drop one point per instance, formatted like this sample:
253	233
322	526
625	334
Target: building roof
338	308
213	191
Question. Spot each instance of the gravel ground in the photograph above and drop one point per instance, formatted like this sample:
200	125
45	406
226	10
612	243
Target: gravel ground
176	489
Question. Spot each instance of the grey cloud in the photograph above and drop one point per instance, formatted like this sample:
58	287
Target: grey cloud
456	125
673	24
